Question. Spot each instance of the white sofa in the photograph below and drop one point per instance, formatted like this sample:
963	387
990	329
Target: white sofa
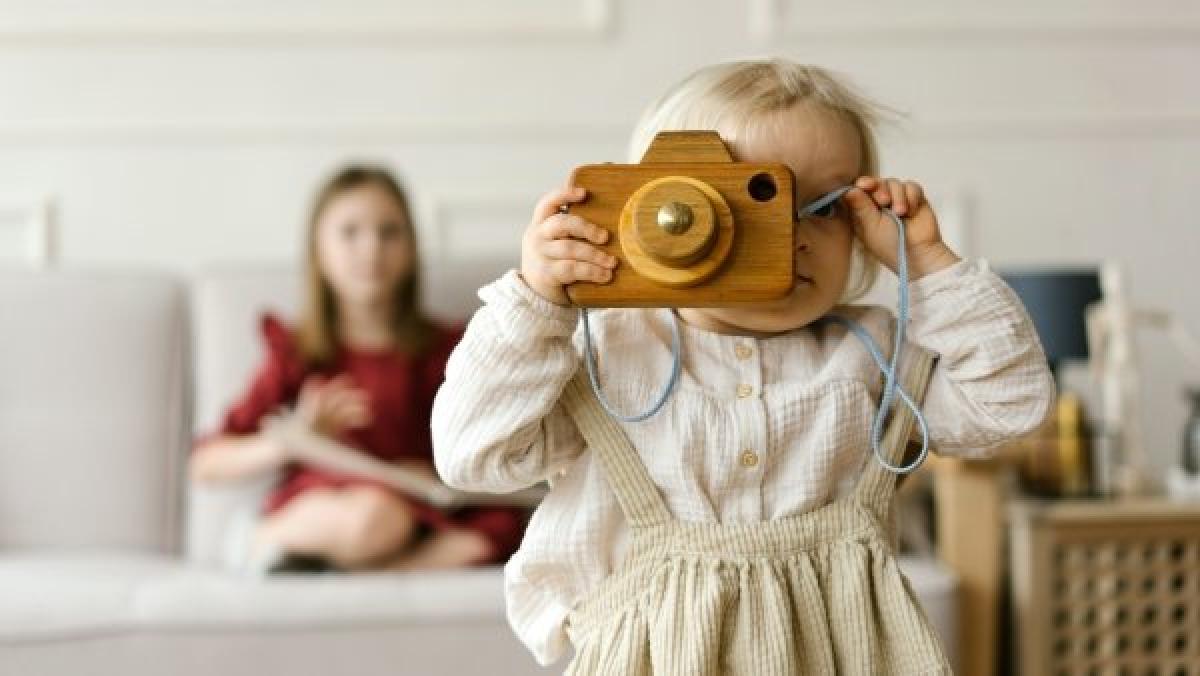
108	560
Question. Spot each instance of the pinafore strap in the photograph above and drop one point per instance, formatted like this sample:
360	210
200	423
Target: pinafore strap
877	484
636	492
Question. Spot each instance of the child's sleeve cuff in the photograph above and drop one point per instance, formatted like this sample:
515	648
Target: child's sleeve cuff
967	271
513	297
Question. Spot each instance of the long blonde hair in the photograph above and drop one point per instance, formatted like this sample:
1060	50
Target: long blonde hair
316	328
730	98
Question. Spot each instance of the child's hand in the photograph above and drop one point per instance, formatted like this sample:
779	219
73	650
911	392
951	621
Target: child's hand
555	250
332	406
926	251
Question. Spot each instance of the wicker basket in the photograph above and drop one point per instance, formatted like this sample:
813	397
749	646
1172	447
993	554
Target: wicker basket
1106	588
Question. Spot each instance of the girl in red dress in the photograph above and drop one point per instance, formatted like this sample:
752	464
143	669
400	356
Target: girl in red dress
361	365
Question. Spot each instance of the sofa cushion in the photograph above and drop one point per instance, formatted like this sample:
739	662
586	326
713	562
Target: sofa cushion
87	599
72	593
64	595
191	597
111	614
92	408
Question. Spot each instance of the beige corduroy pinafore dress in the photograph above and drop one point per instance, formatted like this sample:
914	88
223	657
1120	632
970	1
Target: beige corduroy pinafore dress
814	593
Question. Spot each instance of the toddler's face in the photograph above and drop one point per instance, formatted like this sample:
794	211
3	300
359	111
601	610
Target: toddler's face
824	152
363	245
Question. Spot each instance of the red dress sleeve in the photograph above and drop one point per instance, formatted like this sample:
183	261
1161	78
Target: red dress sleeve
276	383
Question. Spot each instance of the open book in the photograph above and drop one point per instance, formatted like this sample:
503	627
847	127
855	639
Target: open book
316	449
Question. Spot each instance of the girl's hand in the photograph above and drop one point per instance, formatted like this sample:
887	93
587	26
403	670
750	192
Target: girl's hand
558	248
332	406
926	251
273	452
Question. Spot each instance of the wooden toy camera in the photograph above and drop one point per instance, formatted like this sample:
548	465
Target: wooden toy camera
690	227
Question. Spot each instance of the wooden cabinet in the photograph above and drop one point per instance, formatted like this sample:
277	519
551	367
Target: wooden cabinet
1106	587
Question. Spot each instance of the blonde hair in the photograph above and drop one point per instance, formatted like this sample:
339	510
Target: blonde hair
730	98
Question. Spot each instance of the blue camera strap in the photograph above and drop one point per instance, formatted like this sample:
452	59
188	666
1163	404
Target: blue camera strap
891	388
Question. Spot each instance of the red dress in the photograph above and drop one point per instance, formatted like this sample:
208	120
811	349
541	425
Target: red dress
400	388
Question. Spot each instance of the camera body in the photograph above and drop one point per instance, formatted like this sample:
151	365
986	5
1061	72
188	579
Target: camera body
689	226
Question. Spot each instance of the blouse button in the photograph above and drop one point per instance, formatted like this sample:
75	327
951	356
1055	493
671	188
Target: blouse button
744	391
743	351
749	458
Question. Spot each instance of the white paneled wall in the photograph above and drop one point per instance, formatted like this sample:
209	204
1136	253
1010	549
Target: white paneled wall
179	134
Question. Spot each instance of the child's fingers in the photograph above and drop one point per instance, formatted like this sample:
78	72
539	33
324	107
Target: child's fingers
569	272
914	194
880	195
570	249
867	183
559	226
551	202
898	196
910	201
863	208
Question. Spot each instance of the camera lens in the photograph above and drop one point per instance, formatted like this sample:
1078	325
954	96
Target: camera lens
762	187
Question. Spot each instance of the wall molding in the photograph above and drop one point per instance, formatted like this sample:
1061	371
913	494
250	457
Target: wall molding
290	132
491	21
1067	124
771	21
998	126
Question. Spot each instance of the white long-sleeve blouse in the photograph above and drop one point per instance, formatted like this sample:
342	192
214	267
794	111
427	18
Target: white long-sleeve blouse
755	429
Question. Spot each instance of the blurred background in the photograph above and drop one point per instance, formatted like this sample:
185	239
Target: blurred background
181	134
185	137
